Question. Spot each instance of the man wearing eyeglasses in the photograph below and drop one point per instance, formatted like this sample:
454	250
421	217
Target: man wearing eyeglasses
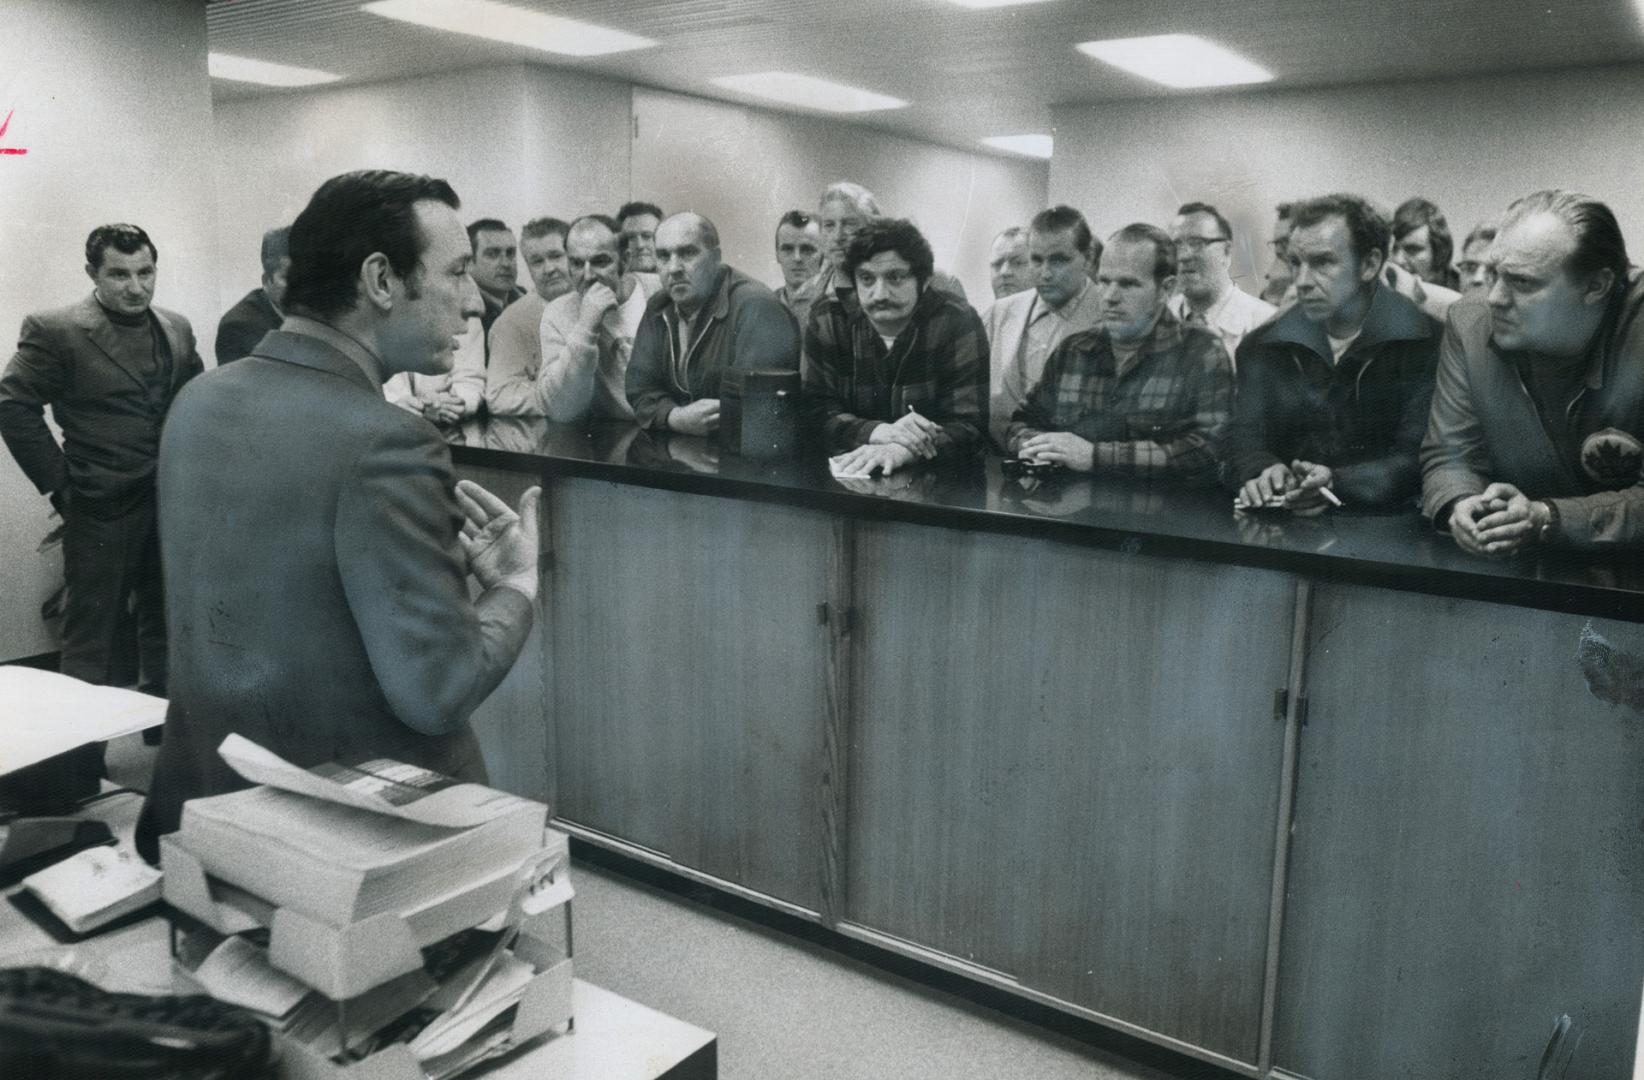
895	371
1204	260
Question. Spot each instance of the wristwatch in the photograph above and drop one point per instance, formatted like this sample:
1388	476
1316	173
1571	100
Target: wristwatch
1549	528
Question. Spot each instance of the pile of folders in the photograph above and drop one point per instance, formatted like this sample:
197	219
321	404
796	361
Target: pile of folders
384	921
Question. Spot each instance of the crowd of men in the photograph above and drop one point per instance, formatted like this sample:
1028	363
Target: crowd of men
1501	386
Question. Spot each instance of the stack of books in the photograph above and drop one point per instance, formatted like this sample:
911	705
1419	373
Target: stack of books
382	919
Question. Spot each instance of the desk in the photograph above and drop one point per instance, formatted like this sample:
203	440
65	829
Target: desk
1321	797
615	1038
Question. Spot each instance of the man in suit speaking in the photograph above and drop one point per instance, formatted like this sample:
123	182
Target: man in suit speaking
317	550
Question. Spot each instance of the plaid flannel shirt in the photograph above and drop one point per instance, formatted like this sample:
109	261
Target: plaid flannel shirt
1163	411
938	366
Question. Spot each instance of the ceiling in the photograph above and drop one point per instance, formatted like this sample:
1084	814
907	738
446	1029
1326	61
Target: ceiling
968	73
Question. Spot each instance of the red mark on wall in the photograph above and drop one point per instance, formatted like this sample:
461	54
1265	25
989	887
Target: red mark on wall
4	124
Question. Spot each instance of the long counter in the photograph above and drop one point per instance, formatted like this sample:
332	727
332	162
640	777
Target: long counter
1303	797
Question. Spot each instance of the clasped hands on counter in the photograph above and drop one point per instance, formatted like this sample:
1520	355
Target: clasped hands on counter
1302	487
1500	520
892	446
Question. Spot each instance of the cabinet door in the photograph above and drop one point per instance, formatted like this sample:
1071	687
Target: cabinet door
1066	768
1468	858
689	678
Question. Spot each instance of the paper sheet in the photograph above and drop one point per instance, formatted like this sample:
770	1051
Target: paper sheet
43	713
385	787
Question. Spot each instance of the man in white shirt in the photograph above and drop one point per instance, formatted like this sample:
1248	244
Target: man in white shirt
449	398
1025	328
1208	297
513	342
587	335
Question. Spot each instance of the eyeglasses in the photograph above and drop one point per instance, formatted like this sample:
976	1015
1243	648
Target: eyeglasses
896	279
1199	243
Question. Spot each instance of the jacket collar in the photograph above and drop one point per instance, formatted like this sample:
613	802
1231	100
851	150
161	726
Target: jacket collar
90	317
315	345
718	305
1391	318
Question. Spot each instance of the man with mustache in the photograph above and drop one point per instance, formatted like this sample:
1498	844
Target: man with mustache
587	335
1024	329
894	369
707	318
1537	428
1139	395
1204	260
514	341
318	550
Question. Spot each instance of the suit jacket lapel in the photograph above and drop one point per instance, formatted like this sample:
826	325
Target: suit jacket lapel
101	332
174	341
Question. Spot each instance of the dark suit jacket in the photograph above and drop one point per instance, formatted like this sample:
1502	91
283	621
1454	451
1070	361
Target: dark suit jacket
110	419
317	598
244	325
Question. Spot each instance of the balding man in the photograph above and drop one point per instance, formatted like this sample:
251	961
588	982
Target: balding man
708	318
1204	260
1538	412
842	210
1008	269
586	336
1140	395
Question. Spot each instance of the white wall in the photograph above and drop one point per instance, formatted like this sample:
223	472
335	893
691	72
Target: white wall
1470	145
115	112
515	142
743	167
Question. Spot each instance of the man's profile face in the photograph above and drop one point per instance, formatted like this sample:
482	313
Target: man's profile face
1057	265
840	220
496	265
1203	254
432	306
1474	269
1328	276
591	253
274	283
689	268
124	281
798	252
1536	304
545	262
1131	296
639	243
887	291
1415	253
1008	265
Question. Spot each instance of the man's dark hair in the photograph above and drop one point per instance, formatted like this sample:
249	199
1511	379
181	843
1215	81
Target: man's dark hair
1283	210
537	228
349	218
1164	248
1205	208
1484	230
1411	215
891	234
276	246
125	239
1367	230
1061	218
797	218
485	224
634	209
1599	245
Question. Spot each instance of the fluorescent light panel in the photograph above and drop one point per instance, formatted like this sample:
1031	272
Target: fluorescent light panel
993	3
1183	61
244	69
516	26
809	92
1039	146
